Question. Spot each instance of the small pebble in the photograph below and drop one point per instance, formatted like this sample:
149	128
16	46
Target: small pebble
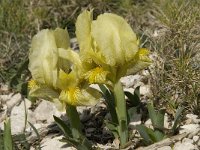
186	140
195	138
89	130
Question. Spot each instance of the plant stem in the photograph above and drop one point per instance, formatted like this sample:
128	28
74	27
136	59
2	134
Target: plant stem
120	107
83	143
74	121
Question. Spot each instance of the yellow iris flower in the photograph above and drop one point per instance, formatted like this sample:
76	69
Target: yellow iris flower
109	43
56	70
108	50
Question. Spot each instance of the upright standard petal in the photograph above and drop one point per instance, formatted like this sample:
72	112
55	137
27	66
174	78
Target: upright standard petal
62	38
115	39
43	58
83	30
62	41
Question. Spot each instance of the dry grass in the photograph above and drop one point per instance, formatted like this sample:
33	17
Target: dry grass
175	78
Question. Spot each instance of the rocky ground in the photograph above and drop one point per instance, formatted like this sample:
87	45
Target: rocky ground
41	116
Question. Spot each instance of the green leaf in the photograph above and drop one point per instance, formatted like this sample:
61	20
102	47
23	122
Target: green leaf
37	134
157	118
109	98
77	144
23	88
150	136
177	118
134	98
113	128
1	140
75	126
120	106
75	123
145	133
21	138
131	112
63	126
7	137
158	135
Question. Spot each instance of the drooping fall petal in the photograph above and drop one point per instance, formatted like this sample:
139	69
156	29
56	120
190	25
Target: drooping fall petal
80	97
42	91
83	30
139	62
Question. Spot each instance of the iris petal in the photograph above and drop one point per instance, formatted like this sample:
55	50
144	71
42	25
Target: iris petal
96	75
115	38
78	97
140	61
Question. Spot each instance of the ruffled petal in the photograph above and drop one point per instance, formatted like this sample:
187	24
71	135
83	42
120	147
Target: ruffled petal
62	41
43	58
83	30
71	56
115	39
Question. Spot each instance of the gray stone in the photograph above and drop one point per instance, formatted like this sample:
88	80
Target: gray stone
45	111
130	81
184	146
145	90
165	148
49	143
4	98
15	99
104	147
191	118
187	140
195	138
17	117
166	123
148	124
189	128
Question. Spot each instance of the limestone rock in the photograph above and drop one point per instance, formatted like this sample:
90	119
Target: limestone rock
184	146
190	128
130	81
17	117
45	111
49	143
145	90
191	118
165	148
